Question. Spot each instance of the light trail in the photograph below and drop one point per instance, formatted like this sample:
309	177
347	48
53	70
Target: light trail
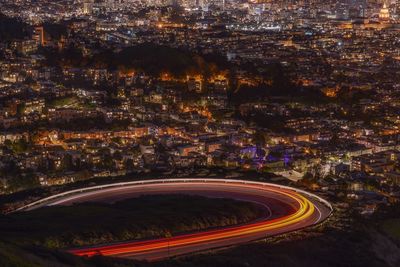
304	212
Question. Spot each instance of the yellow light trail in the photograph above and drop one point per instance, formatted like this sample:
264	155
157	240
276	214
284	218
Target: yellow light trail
304	210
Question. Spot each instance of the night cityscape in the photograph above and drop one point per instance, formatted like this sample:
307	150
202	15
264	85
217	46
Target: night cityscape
193	133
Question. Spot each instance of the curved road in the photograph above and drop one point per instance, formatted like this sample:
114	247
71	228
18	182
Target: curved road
287	209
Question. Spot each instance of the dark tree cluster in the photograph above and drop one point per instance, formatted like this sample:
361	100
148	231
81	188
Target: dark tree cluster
11	28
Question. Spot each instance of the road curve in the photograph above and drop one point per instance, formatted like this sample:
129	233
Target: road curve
289	209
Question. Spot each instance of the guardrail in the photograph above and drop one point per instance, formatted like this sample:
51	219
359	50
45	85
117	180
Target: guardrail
172	180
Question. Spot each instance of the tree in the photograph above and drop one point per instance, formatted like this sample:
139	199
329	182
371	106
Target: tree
19	182
259	138
21	109
20	146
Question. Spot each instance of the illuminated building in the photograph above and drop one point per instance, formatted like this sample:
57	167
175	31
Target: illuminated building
87	7
38	35
384	14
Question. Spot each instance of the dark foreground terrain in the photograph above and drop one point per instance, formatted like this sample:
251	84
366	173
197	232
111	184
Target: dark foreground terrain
332	249
373	241
132	219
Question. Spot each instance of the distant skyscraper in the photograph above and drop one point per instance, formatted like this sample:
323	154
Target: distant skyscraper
87	7
38	35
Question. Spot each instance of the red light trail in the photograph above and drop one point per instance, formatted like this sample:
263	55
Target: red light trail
306	210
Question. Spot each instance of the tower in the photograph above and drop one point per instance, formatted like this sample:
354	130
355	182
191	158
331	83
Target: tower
87	7
38	35
384	13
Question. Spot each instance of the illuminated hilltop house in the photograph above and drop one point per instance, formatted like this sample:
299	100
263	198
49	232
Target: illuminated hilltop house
384	14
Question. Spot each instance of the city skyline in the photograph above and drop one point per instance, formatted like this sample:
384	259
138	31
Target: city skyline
200	133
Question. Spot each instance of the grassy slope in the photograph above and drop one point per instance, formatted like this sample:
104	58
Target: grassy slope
21	256
362	248
366	242
144	217
331	250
